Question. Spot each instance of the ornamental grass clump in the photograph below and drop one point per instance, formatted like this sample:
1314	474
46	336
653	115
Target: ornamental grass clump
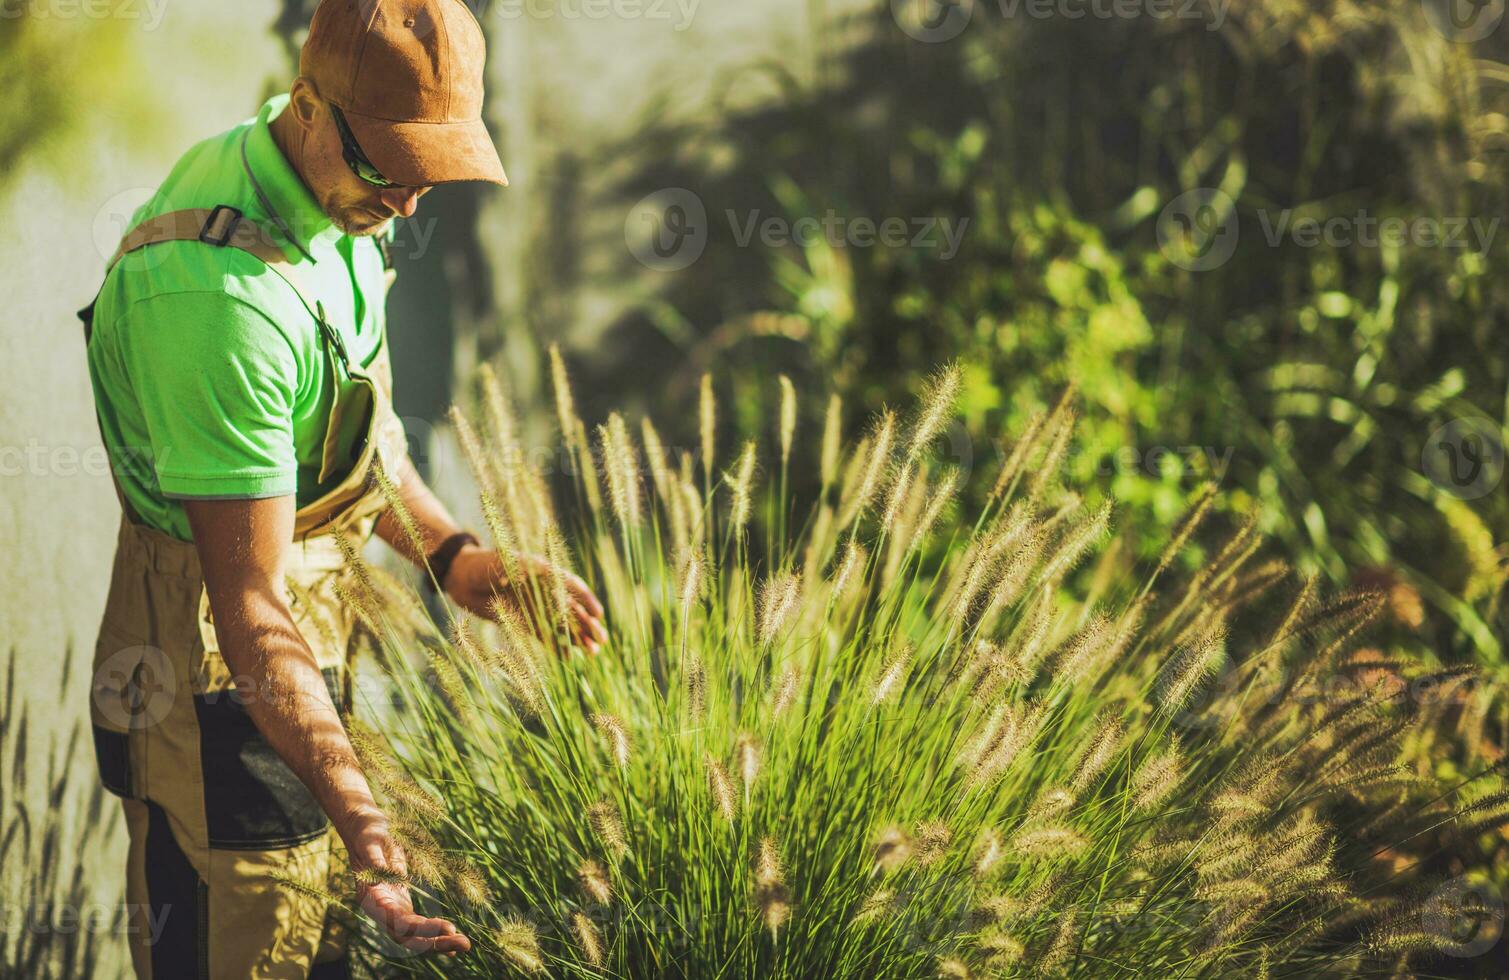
897	741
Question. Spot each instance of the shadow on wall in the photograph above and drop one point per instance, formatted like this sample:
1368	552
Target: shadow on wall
56	920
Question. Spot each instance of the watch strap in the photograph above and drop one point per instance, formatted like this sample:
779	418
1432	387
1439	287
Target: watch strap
440	559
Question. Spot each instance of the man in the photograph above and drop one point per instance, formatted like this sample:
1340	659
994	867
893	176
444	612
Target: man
240	374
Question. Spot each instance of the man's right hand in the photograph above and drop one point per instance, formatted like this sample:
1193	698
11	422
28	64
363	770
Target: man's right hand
243	547
388	903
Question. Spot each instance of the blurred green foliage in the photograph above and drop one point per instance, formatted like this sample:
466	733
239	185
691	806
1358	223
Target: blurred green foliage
55	73
1304	379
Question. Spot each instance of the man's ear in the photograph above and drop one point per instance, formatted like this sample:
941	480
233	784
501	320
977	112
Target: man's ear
304	101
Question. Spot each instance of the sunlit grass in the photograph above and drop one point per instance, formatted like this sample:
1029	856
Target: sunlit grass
891	741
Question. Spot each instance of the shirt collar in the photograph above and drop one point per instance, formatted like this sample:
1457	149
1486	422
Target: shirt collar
282	192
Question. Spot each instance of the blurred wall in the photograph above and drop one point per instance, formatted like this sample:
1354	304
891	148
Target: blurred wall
135	85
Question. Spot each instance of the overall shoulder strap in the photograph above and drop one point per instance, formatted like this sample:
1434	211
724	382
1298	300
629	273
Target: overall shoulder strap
222	226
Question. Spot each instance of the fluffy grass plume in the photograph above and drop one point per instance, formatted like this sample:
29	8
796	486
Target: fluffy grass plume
849	751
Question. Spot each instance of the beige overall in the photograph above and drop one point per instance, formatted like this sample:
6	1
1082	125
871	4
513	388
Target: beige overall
218	823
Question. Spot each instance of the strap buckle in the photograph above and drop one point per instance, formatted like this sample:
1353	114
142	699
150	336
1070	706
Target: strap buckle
226	218
332	337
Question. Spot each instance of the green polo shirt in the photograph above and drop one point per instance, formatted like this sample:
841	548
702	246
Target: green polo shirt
210	376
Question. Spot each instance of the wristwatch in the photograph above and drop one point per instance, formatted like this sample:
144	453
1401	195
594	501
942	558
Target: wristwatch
440	559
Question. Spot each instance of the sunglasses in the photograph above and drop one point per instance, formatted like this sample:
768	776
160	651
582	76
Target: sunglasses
352	151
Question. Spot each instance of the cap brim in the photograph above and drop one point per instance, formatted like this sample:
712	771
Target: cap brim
422	153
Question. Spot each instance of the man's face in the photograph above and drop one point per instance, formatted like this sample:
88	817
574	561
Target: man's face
355	206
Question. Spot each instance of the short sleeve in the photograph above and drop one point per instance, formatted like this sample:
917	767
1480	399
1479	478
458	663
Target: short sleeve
216	381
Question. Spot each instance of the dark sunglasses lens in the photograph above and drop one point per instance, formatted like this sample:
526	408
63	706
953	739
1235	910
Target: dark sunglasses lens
352	151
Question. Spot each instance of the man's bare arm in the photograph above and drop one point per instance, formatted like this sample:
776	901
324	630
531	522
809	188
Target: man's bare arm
434	521
243	546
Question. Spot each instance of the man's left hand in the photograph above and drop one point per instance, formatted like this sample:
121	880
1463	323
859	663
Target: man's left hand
478	576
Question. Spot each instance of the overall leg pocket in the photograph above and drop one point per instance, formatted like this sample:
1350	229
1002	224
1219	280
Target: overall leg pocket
252	800
132	690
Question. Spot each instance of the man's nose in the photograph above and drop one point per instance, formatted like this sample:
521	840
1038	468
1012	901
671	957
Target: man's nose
402	200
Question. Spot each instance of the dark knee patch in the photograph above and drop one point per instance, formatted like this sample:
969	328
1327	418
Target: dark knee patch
178	902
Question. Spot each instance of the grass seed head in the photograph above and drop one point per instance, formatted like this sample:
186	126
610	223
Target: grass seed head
614	736
588	937
520	944
771	893
940	395
784	691
891	678
879	905
939	497
878	458
654	454
603	816
469	882
832	436
1157	777
741	488
788	418
1052	841
1190	667
694	679
622	466
850	567
721	786
565	405
988	852
593	879
590	481
768	864
780	597
1005	951
692	568
747	759
901	487
1103	747
932	841
707	415
1051	802
893	848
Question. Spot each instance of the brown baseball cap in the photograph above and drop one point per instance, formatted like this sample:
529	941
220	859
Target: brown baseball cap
407	75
